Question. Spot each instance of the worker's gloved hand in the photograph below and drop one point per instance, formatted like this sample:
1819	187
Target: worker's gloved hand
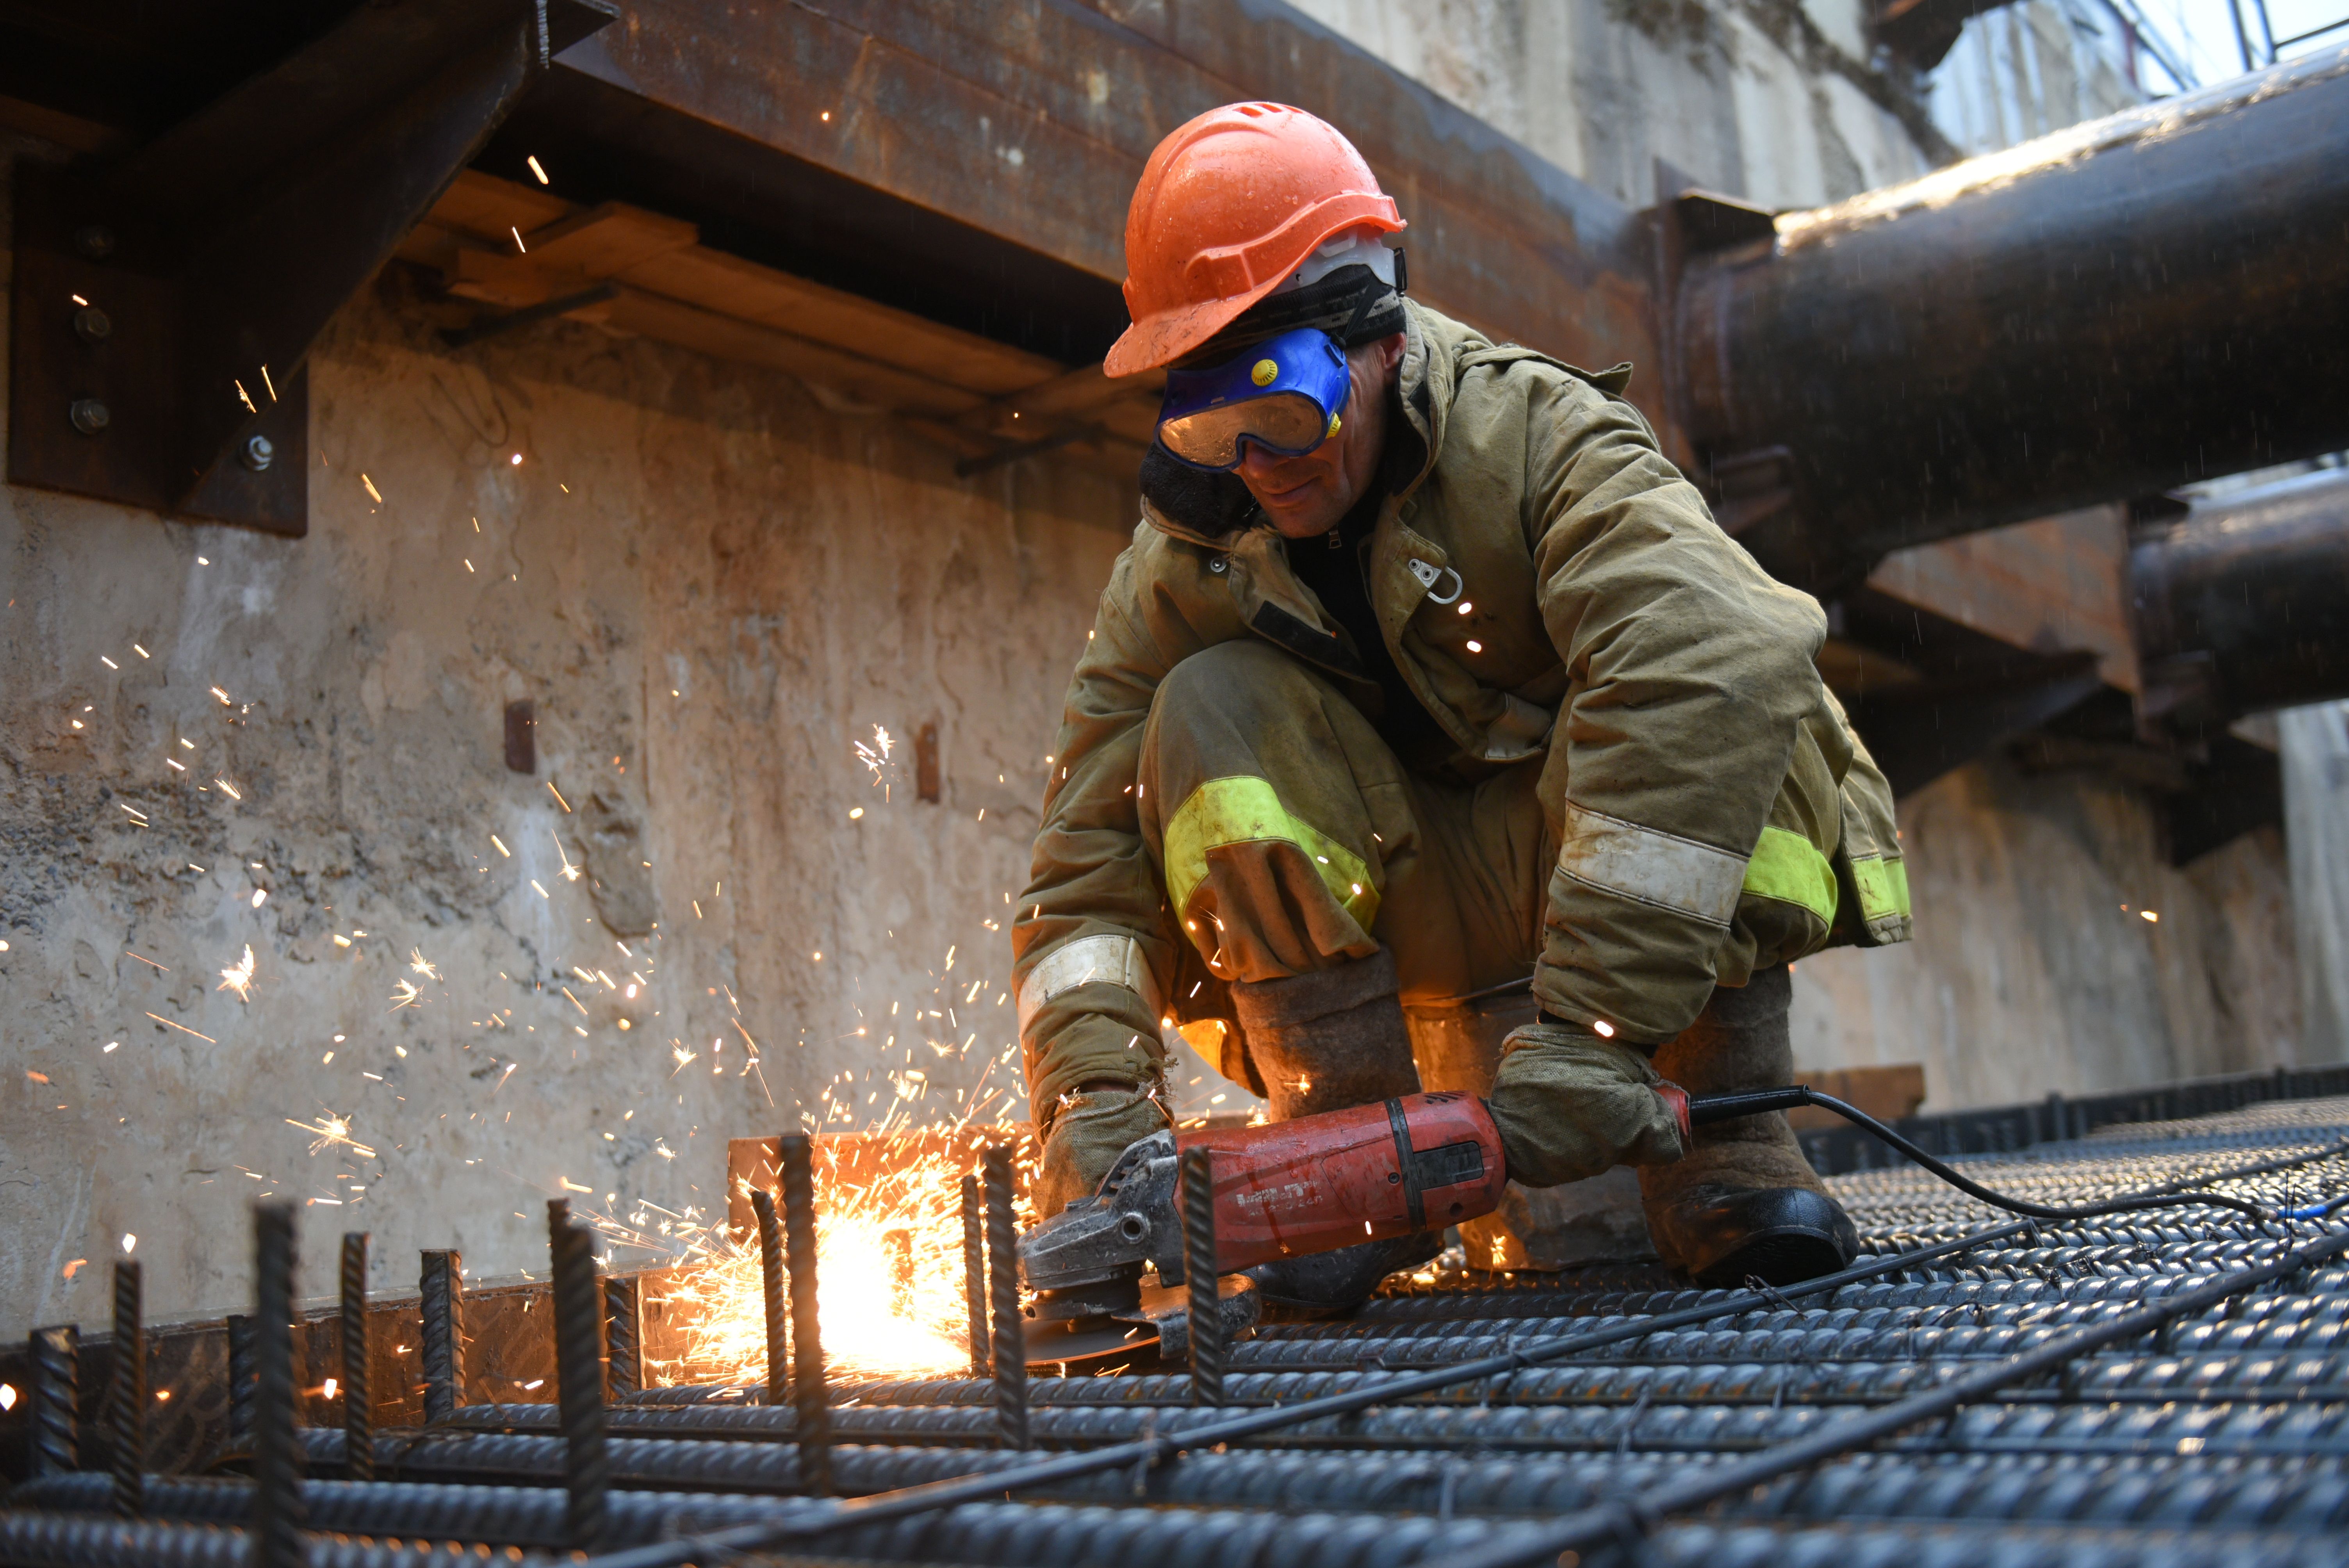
1093	1128
1570	1104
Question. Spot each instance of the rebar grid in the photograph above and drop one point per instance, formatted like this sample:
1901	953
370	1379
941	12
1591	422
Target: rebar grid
2168	1386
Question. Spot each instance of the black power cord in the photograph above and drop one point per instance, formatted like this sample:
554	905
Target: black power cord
1705	1110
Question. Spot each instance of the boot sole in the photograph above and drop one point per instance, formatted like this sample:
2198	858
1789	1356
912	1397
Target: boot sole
1776	1257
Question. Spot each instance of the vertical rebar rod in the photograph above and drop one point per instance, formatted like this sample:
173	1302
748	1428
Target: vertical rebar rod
443	1313
771	1286
624	1333
579	1378
240	1381
54	1443
275	1530
1009	1340
1207	1315
974	1276
126	1403
358	1409
812	1399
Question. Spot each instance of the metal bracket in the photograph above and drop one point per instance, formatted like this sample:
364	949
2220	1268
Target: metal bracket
164	301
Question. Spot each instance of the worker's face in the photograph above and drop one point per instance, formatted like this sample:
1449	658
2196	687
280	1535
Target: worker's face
1306	496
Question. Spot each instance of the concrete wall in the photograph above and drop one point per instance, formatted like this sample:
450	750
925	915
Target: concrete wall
711	588
2033	967
2315	752
1767	99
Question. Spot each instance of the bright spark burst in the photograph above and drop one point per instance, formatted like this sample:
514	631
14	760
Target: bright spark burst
239	977
404	994
570	871
889	1259
875	757
332	1131
420	964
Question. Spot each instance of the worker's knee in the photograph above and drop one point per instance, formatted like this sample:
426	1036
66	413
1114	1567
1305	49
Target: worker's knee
1240	685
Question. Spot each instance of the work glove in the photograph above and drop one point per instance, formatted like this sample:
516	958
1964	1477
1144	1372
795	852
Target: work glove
1093	1129
1570	1104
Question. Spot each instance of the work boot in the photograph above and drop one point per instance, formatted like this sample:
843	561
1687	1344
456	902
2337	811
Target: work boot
1323	1041
1742	1202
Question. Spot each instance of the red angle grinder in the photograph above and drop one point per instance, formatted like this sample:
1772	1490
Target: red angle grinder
1285	1189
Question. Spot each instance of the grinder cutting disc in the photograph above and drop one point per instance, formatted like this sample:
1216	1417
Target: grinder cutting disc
1084	1341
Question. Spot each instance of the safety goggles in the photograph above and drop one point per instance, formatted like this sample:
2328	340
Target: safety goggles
1284	395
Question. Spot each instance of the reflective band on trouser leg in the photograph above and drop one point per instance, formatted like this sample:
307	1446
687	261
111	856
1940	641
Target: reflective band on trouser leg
1883	886
1246	811
1787	866
1660	869
1098	959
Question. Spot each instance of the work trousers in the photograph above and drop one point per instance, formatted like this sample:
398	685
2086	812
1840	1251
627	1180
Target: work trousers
1290	839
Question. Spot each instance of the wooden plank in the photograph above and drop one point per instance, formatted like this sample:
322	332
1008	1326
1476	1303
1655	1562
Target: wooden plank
882	387
486	207
849	321
863	352
608	240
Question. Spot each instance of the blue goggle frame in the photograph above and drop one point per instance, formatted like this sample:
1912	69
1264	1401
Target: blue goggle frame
1285	394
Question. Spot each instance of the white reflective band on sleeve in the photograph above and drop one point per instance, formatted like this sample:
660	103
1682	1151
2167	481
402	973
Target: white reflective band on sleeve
1660	869
1089	960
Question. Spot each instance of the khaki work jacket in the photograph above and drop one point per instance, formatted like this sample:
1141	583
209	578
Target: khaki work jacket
1714	812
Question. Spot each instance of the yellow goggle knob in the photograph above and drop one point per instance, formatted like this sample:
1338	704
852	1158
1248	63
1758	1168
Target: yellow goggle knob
1334	422
1264	372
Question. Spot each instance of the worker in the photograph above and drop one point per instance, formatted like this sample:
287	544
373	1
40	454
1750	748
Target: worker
1426	671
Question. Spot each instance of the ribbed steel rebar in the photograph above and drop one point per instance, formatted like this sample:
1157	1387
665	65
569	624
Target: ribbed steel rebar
1205	1316
624	1334
772	1296
809	1397
2281	1493
30	1540
1007	1340
1942	1546
1591	1527
358	1407
442	1310
275	1533
579	1378
126	1398
974	1277
240	1381
53	1438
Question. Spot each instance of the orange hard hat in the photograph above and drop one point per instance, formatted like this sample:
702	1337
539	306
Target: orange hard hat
1229	204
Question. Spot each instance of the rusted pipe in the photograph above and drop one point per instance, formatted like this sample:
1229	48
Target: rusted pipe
2134	303
2242	604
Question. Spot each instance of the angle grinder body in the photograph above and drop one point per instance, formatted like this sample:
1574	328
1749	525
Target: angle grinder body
1284	1189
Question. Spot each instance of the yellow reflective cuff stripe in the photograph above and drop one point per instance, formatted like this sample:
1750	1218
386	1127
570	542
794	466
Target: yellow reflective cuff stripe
1246	811
1883	886
1786	866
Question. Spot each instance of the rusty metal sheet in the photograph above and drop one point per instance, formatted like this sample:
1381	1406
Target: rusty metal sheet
1030	120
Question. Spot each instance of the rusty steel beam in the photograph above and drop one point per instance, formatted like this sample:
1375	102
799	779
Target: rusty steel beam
2242	604
2131	305
1002	142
